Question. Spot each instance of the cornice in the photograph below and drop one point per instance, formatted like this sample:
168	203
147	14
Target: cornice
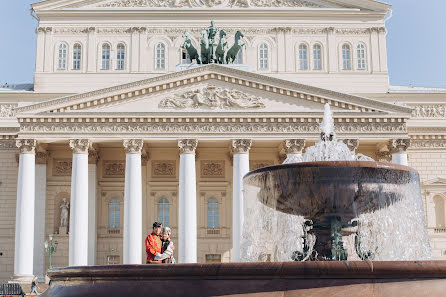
219	73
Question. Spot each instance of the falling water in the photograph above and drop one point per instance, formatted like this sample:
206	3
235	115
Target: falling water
377	205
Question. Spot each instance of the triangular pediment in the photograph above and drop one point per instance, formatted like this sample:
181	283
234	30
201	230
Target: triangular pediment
175	4
214	88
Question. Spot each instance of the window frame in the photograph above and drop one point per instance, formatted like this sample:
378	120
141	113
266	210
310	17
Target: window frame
64	58
77	60
303	62
346	60
363	65
187	60
213	213
160	61
163	205
263	60
121	49
114	214
108	60
321	61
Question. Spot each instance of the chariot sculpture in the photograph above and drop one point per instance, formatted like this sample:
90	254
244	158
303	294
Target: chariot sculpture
212	51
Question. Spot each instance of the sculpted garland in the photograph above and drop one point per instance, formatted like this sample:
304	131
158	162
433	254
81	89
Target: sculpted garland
211	3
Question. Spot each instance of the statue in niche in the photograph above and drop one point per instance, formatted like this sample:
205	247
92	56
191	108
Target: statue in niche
64	213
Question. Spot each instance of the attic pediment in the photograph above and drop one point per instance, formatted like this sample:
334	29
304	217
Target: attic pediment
221	88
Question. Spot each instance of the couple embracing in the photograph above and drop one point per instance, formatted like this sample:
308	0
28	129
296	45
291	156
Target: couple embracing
159	247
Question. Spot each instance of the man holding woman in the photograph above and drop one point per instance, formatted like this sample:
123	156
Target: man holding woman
159	247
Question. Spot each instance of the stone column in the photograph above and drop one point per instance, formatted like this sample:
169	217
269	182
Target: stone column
24	220
92	52
240	149
79	219
133	202
93	158
398	148
39	219
352	144
332	49
293	150
187	213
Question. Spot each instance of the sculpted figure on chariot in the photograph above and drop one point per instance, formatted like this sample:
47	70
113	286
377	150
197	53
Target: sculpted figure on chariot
211	50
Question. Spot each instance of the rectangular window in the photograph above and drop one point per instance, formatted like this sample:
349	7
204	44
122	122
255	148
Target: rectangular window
114	214
213	258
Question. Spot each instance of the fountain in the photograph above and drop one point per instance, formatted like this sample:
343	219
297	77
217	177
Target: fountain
331	204
341	224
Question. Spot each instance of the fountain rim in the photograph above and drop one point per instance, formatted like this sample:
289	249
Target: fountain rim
335	164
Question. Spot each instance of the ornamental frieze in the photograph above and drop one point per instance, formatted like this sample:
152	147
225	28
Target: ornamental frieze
212	168
194	128
429	111
211	3
114	168
213	98
62	167
7	110
428	144
164	168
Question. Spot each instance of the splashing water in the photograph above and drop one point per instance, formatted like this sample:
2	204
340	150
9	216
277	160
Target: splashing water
379	207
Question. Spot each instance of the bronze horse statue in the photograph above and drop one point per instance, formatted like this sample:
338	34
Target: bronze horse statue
204	44
233	51
221	48
191	50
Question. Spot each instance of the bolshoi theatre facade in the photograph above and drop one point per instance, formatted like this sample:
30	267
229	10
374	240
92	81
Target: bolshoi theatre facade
122	129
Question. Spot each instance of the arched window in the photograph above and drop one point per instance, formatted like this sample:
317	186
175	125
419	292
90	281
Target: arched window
105	56
239	57
360	50
213	220
62	56
263	56
163	212
317	57
303	57
114	213
120	57
185	58
77	54
439	212
346	57
160	62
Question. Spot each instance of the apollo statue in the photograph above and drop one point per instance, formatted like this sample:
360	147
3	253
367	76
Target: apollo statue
64	213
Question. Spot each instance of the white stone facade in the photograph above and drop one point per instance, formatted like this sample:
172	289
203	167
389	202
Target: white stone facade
190	135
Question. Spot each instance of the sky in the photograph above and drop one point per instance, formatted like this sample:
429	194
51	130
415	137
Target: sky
416	42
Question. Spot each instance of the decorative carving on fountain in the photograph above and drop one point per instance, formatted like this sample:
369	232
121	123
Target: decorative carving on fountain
212	97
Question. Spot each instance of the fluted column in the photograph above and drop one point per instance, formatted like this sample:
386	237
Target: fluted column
293	150
79	219
133	202
398	148
24	223
240	149
39	219
187	214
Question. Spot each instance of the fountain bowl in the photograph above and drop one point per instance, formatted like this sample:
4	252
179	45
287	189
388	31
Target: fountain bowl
290	279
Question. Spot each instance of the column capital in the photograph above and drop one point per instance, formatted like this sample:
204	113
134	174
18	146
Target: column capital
399	145
93	157
26	146
241	146
293	146
187	146
133	146
42	157
80	146
352	144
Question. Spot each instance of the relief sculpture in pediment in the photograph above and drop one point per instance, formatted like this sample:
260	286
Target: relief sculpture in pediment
211	3
214	98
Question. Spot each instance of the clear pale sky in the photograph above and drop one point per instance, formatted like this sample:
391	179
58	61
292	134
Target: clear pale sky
416	42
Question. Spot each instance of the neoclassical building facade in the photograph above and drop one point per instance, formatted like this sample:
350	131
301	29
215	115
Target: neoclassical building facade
122	126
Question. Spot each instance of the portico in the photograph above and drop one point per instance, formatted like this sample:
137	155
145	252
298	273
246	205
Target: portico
156	149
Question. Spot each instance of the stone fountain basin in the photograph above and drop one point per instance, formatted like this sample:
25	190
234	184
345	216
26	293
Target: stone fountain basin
318	190
278	279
